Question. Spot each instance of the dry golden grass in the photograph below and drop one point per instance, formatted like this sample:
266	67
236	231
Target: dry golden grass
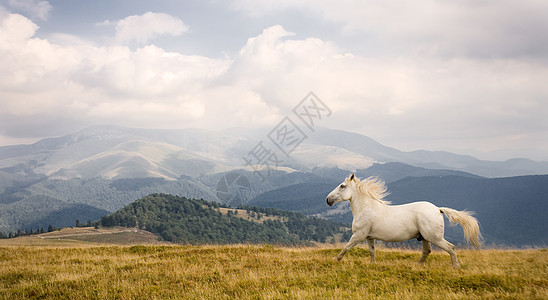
265	272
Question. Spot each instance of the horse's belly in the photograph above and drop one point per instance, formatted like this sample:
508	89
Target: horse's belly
397	230
394	236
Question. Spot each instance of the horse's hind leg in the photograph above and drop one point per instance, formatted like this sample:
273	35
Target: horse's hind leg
450	248
371	244
425	251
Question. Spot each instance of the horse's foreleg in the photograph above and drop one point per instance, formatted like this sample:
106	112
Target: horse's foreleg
371	243
425	251
354	240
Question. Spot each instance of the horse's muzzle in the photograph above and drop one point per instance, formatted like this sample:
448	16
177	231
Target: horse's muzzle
329	201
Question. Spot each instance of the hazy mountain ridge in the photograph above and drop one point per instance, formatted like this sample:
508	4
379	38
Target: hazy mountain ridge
119	152
108	152
366	146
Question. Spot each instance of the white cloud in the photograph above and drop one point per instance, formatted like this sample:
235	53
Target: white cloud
23	61
34	8
15	28
147	72
143	28
399	99
101	84
447	28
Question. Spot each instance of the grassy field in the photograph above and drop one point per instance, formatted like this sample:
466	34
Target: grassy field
83	270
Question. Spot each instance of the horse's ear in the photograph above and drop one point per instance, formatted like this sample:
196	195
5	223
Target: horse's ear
352	177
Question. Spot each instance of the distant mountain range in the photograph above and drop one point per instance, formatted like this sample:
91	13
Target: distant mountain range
118	152
103	168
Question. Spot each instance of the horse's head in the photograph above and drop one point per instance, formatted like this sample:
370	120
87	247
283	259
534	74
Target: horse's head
342	192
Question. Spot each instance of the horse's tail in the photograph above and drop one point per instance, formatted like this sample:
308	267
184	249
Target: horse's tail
468	223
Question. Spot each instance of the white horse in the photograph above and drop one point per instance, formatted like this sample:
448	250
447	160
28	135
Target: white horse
375	219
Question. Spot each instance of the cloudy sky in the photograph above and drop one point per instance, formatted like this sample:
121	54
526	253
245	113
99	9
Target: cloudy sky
464	76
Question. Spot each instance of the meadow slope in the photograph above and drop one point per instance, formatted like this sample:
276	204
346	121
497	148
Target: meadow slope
91	271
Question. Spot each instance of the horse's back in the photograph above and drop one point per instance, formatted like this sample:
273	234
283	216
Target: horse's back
420	208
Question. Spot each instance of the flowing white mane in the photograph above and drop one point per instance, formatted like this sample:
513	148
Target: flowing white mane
372	187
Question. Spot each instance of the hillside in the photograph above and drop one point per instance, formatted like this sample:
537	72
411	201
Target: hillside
181	220
61	202
308	198
78	236
510	210
393	171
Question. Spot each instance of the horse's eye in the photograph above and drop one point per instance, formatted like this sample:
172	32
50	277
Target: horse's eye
342	186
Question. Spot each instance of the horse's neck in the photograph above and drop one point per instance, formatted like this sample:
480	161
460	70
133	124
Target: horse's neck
361	204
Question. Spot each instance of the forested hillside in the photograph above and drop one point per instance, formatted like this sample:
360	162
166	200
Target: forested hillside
61	202
190	221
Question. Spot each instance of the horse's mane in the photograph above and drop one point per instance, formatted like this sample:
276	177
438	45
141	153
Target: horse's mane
372	187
